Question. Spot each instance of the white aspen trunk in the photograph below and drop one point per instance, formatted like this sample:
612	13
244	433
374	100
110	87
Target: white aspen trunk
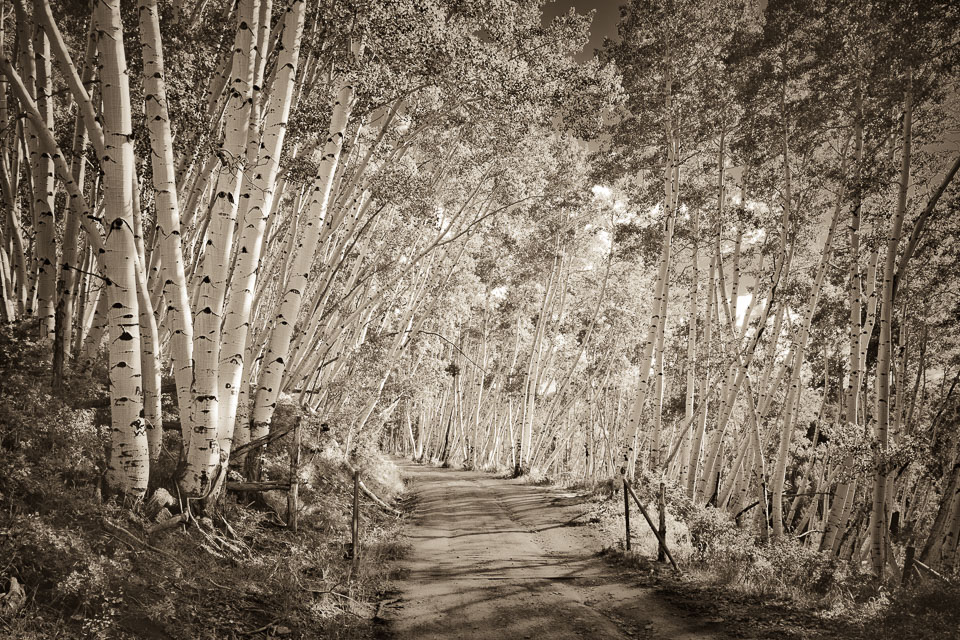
304	357
738	371
728	393
786	433
735	475
128	466
43	185
271	377
545	357
86	124
17	253
149	339
203	450
27	134
255	205
72	256
670	181
856	313
8	261
150	359
656	444
46	139
948	547
390	359
760	466
529	384
697	440
653	338
561	391
691	353
86	297
175	292
878	513
97	323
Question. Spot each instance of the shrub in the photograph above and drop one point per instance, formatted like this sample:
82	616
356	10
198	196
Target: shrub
715	536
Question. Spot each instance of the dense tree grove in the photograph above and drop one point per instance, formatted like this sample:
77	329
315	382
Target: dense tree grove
719	254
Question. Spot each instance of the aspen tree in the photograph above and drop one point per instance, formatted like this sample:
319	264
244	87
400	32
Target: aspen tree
799	348
67	285
701	420
129	455
738	370
203	450
28	133
669	45
691	354
528	400
75	197
255	204
878	512
177	319
271	376
656	445
43	184
552	409
854	289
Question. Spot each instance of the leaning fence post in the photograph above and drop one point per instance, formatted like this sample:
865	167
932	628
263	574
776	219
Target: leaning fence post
626	511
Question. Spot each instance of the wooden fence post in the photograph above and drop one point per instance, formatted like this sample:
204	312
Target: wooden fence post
294	491
626	510
662	508
907	566
355	528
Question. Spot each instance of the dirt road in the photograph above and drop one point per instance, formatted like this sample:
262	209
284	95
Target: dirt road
494	558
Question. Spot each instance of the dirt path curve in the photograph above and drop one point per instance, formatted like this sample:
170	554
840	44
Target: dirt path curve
494	558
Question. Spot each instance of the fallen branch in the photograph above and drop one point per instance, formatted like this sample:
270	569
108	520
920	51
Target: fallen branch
380	503
258	486
382	604
114	528
263	628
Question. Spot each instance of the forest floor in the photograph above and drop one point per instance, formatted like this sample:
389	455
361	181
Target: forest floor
492	557
495	557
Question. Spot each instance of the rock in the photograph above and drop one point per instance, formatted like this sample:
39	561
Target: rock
283	631
160	499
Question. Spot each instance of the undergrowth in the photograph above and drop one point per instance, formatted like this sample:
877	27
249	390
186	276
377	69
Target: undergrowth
726	564
89	569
